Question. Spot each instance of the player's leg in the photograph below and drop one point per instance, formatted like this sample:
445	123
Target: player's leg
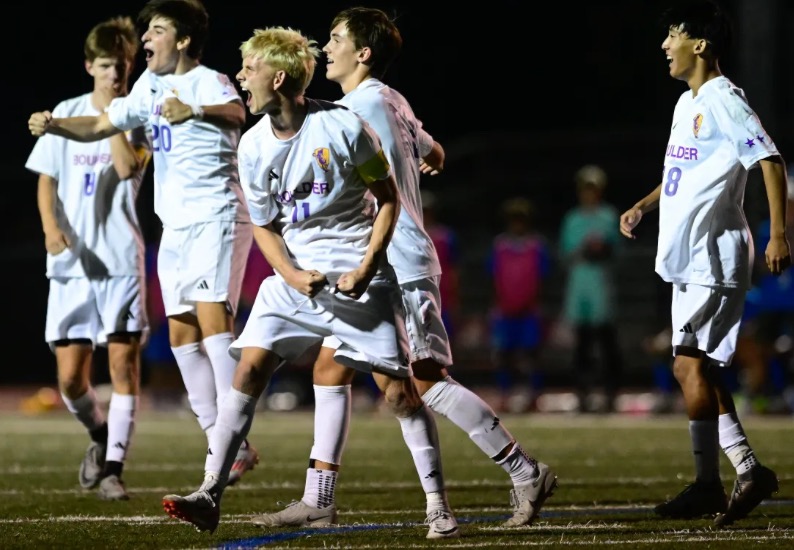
332	400
184	333
71	327
533	482
215	277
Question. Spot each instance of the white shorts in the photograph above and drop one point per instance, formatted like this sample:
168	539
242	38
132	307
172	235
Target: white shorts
422	335
91	309
287	323
707	318
204	262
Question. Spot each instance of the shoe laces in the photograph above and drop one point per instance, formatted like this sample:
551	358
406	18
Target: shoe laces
438	514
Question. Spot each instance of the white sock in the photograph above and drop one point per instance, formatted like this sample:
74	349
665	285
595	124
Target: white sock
223	364
320	488
331	422
734	443
231	427
421	437
436	501
705	445
470	413
121	424
199	383
521	468
85	409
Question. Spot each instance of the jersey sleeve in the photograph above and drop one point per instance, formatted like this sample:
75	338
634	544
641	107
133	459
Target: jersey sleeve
742	128
262	206
367	154
131	111
424	141
216	89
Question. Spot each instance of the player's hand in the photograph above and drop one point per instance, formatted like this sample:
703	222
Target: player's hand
56	241
308	282
426	168
629	220
778	255
38	123
174	111
353	284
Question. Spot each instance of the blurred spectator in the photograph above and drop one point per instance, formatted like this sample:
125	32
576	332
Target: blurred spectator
764	346
446	242
518	263
589	237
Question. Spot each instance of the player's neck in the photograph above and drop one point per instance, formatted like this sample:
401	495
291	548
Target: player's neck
100	99
288	120
702	75
185	65
352	82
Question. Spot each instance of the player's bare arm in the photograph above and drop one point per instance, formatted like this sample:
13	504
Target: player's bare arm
78	128
271	244
55	240
778	251
230	114
631	217
355	283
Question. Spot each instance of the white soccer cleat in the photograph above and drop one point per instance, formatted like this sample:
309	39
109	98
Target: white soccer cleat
91	467
528	499
443	525
298	514
247	457
112	488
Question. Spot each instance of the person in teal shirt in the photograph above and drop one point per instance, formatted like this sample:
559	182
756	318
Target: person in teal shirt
589	239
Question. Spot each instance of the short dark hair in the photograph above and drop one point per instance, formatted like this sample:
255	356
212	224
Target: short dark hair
190	18
372	28
701	19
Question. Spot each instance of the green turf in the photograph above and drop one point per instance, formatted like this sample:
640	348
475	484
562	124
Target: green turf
611	471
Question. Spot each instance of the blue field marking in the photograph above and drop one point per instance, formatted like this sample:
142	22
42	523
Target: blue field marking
546	514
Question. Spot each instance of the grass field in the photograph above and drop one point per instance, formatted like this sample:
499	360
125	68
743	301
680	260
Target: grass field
612	470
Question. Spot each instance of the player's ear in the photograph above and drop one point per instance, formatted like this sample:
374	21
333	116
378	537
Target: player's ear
365	54
700	46
89	67
278	79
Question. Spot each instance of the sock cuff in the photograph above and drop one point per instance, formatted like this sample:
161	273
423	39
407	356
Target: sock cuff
73	405
123	402
239	401
186	349
436	390
322	391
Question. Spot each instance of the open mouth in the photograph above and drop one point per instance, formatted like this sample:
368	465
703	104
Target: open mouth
149	54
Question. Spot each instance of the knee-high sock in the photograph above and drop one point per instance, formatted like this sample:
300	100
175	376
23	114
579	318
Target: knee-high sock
223	364
121	425
705	445
331	423
232	426
421	437
199	383
86	410
734	443
469	413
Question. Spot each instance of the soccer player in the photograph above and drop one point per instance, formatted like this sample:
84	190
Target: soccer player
310	170
86	198
194	114
705	251
363	43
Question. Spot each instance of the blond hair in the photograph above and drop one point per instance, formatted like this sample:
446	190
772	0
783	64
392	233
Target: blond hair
115	37
286	50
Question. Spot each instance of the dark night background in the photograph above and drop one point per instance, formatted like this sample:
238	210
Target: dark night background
520	94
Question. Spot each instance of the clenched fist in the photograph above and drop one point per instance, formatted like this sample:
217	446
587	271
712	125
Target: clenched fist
38	123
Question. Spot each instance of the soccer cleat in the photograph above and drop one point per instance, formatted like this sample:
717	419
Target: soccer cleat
199	508
697	500
298	514
443	525
246	459
112	488
748	491
528	499
92	465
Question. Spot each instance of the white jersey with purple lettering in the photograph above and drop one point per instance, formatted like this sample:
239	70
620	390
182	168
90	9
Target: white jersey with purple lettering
312	187
716	138
94	209
195	162
411	251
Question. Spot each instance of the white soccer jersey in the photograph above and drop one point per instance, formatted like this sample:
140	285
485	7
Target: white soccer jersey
311	186
195	162
405	142
95	209
703	234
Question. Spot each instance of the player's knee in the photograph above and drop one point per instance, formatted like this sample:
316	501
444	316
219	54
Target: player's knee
401	397
327	372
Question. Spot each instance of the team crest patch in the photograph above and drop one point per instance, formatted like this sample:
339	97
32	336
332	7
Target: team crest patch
697	122
323	157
